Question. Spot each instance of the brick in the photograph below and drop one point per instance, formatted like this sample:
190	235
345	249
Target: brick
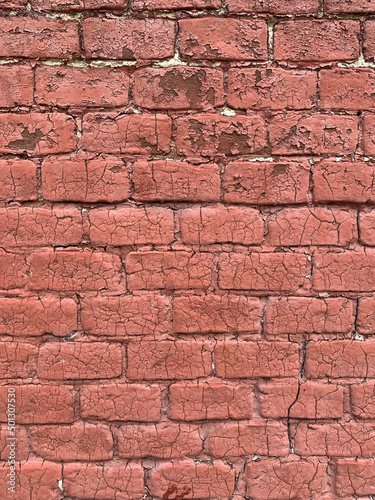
7	4
368	138
40	404
72	442
256	359
265	183
13	268
206	225
169	270
346	270
130	39
296	133
369	40
165	359
312	226
209	400
80	360
17	360
340	358
97	180
335	440
223	38
35	316
347	89
288	315
278	271
355	477
305	41
17	180
23	449
344	182
366	227
67	5
39	133
67	86
238	439
175	4
162	180
131	226
35	226
366	315
362	399
120	402
180	87
349	6
206	135
121	316
284	479
134	134
38	37
112	480
193	480
309	400
163	440
275	6
216	313
271	88
16	86
74	269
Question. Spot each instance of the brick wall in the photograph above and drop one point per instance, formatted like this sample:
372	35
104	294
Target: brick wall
187	249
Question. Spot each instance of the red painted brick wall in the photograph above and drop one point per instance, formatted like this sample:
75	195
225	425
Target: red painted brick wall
187	249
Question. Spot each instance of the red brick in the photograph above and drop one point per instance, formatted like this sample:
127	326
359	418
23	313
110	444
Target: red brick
74	269
306	41
131	226
192	480
310	400
72	442
17	360
163	440
296	133
362	399
206	225
239	439
335	440
266	183
115	480
23	449
369	40
134	134
67	5
207	135
40	404
273	272
216	313
347	89
35	226
275	6
169	270
121	316
210	400
66	86
368	139
126	38
349	6
175	4
179	87
148	360
344	182
120	402
344	271
366	227
355	477
40	133
7	4
80	360
13	270
285	479
97	180
16	86
271	88
17	180
366	315
288	315
223	38
38	37
312	226
34	316
162	180
340	358
256	359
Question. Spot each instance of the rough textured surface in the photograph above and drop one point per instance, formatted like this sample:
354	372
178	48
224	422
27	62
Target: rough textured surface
187	249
